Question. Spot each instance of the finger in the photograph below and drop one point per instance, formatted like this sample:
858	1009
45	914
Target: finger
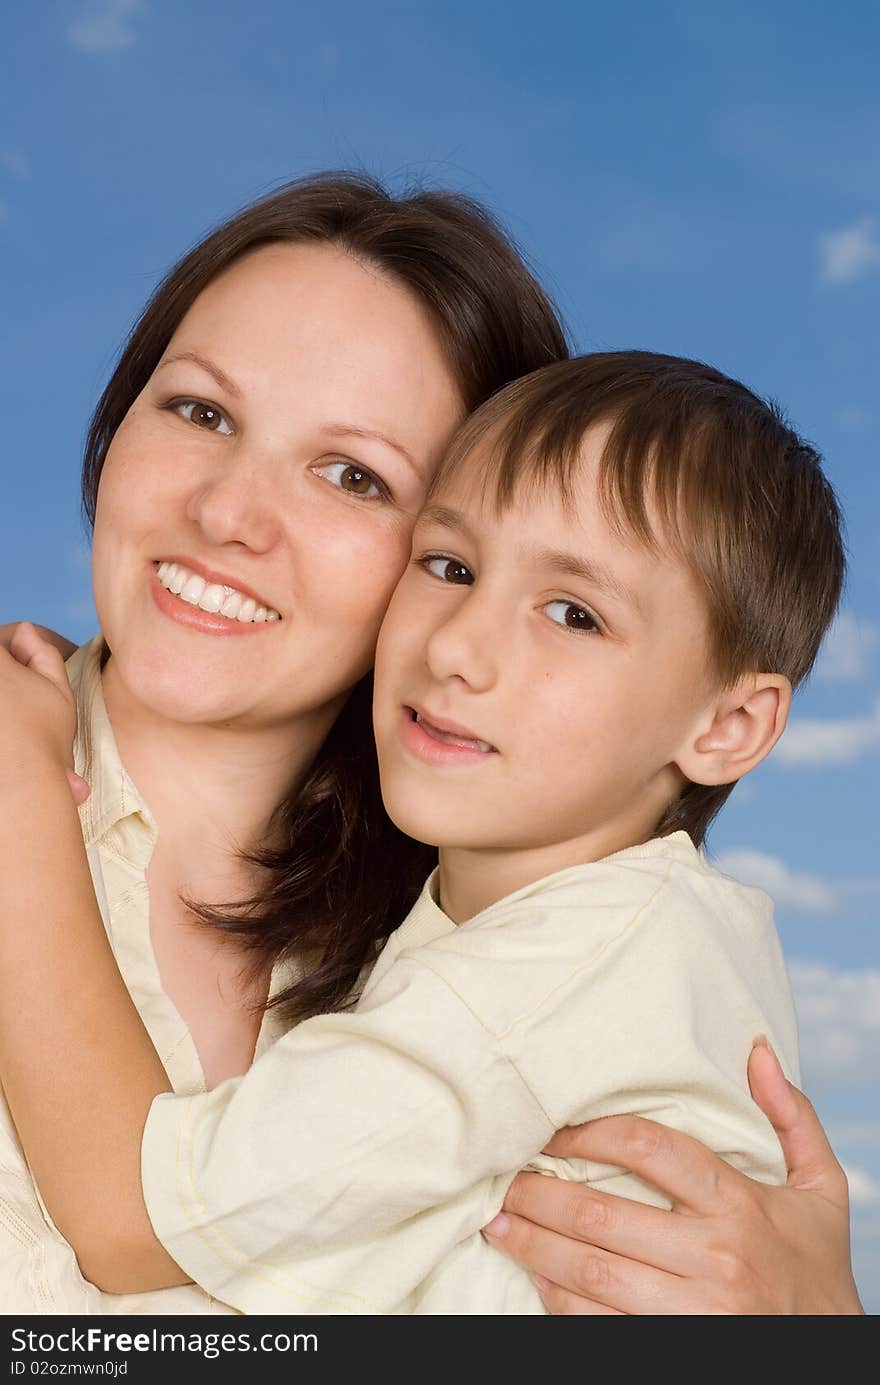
809	1157
67	647
592	1273
78	787
562	1304
32	650
695	1178
579	1213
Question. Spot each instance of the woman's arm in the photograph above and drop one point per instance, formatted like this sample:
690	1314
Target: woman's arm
729	1244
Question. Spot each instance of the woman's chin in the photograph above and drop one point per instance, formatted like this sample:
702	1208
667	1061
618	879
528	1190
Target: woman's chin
190	694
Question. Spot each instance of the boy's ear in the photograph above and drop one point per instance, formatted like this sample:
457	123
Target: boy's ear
744	724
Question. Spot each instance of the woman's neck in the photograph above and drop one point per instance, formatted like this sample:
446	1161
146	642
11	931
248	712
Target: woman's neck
212	789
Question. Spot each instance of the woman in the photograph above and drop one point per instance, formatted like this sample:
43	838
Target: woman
262	450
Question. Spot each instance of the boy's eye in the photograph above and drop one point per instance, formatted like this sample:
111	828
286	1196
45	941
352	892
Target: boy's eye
203	415
572	616
354	480
448	570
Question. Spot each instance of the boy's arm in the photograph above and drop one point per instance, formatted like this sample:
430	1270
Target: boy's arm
729	1245
78	1067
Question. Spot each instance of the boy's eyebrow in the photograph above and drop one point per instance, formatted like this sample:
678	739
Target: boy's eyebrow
219	375
449	519
597	574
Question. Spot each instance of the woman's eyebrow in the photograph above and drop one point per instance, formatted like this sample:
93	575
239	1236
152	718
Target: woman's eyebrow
353	430
219	375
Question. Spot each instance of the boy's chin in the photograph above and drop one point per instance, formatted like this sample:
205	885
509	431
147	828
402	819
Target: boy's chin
418	821
419	826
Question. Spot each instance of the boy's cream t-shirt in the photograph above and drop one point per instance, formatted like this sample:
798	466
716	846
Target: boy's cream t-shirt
38	1268
350	1171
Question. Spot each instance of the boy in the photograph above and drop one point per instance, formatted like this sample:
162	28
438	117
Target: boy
625	564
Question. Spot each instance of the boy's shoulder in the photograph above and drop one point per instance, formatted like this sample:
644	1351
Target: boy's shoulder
620	890
659	909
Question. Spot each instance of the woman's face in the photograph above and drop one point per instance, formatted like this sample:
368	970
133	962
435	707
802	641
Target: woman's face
278	457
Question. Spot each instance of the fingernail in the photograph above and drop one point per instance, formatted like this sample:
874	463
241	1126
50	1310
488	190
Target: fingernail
761	1040
498	1227
540	1283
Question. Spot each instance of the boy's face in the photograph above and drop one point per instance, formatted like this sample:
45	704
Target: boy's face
537	676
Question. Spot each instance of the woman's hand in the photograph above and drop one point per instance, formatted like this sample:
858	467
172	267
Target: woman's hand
64	647
729	1245
38	712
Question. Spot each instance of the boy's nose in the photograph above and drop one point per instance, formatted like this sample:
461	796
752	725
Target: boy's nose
463	646
237	503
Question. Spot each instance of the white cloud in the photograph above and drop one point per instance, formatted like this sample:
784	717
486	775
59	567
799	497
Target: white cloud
16	164
839	1021
821	741
844	656
850	253
862	1187
784	886
105	26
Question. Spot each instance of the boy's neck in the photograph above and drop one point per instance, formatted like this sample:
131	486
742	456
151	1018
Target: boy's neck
472	880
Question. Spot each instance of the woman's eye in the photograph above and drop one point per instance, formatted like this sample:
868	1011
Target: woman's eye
572	616
203	415
354	480
448	570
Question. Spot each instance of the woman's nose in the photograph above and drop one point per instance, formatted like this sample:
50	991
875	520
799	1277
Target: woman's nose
237	503
464	646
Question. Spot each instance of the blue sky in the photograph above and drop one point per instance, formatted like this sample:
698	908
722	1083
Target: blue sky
690	177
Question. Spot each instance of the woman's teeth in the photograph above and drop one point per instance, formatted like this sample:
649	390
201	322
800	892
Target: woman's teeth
210	597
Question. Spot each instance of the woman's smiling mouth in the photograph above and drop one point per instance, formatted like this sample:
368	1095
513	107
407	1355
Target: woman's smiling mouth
213	597
190	598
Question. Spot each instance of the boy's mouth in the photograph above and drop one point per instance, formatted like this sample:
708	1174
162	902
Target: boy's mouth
449	733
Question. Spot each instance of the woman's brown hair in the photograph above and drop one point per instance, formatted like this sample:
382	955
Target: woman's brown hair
344	876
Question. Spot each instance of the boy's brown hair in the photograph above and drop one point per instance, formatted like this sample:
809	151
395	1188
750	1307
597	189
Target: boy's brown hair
739	497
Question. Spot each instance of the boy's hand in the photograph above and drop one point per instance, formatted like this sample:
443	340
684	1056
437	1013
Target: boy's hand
729	1244
65	647
37	706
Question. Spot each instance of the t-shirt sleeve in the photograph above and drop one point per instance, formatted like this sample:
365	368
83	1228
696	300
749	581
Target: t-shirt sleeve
349	1160
660	1022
